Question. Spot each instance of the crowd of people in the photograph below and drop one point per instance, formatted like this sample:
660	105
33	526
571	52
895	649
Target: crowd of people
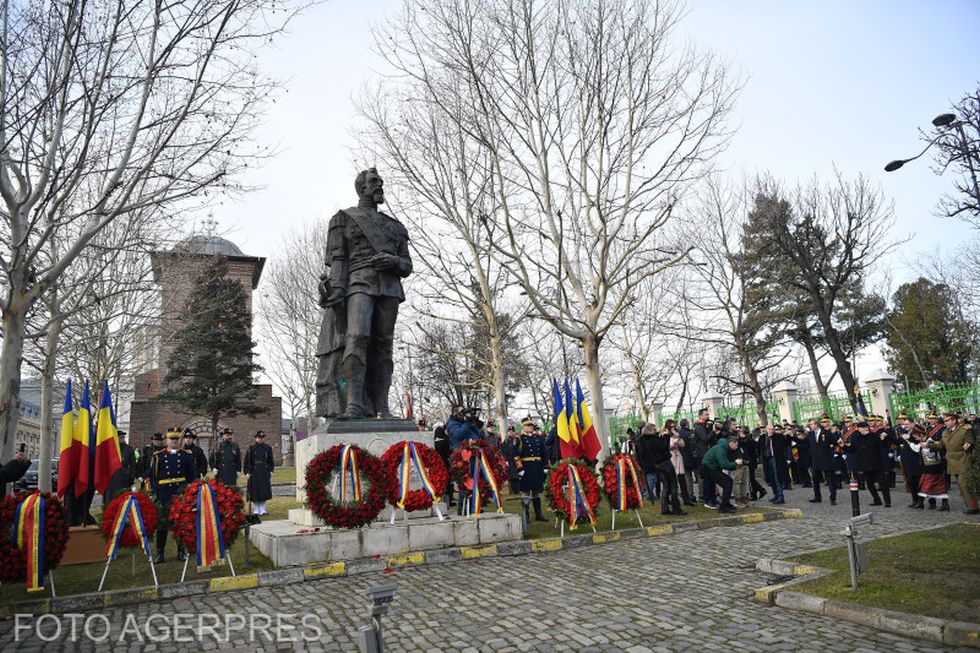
725	466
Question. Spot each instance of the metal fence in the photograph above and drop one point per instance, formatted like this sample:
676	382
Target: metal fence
959	398
747	414
834	406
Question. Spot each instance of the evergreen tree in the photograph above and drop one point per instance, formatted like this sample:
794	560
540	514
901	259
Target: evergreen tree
927	340
211	370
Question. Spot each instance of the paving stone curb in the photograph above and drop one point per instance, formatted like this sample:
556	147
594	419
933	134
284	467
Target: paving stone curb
318	571
953	633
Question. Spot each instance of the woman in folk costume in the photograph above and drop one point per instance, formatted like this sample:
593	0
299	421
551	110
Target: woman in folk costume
932	483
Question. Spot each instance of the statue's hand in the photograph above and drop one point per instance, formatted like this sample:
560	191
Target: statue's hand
336	296
384	261
324	289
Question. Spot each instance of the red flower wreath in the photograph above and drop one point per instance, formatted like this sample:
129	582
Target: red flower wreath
611	487
558	496
129	538
352	515
459	468
13	561
231	509
434	468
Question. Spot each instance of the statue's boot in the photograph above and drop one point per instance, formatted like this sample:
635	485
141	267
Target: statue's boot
381	387
354	373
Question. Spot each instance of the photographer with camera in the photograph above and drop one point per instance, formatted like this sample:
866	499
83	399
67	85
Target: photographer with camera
464	425
703	440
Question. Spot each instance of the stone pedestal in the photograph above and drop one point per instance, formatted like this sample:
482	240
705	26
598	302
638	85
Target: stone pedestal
288	544
373	435
713	402
881	384
786	396
657	414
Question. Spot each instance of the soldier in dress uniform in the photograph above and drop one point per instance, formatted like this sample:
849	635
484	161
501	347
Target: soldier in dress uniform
145	461
226	459
531	459
258	466
171	470
122	479
197	454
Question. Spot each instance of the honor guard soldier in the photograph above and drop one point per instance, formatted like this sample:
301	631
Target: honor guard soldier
258	466
197	454
226	459
145	462
171	470
122	479
531	459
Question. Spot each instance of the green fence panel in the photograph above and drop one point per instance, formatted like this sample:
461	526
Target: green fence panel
835	406
963	398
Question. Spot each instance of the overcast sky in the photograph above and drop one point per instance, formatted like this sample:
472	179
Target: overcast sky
828	83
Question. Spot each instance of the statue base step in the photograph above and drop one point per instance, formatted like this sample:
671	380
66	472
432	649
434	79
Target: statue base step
288	544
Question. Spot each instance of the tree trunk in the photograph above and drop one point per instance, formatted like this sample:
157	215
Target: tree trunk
807	341
590	348
844	369
10	361
753	378
47	401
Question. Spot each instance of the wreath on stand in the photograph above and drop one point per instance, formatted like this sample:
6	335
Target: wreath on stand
351	514
231	509
13	561
432	465
610	481
459	468
556	490
148	510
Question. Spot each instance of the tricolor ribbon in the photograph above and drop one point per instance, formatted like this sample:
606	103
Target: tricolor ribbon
576	499
131	513
410	456
348	465
480	466
624	467
29	536
210	541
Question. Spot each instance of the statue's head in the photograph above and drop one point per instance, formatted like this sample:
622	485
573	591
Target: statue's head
370	185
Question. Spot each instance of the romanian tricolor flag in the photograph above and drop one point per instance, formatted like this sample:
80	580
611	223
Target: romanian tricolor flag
569	448
589	441
574	428
210	542
130	513
108	457
29	535
409	457
67	464
81	444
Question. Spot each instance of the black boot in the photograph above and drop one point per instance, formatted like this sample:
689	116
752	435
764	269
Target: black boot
932	504
527	510
677	506
354	373
538	515
161	545
665	505
945	506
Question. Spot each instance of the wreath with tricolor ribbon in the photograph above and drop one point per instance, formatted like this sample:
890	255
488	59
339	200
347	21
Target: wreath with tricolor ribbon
353	506
621	481
33	536
572	491
227	507
462	468
404	457
144	518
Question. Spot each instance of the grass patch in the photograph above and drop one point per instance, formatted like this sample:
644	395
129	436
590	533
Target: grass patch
80	579
284	475
934	573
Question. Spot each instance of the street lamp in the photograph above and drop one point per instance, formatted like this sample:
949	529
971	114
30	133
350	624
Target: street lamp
941	121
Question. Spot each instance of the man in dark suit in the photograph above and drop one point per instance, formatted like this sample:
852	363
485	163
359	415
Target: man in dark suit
821	443
772	449
197	454
867	449
259	464
226	459
122	479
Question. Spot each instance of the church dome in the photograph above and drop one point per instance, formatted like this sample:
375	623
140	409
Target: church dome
208	246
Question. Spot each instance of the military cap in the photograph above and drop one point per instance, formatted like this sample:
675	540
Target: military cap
157	437
260	434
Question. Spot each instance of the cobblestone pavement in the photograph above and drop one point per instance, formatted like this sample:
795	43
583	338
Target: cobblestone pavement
687	592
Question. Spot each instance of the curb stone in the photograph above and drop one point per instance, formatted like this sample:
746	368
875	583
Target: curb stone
323	570
953	633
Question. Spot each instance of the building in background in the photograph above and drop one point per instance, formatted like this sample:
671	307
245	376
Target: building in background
175	271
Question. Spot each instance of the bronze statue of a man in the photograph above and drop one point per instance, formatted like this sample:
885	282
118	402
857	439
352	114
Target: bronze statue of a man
367	257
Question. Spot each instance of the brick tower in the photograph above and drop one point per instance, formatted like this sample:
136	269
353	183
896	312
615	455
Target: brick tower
175	270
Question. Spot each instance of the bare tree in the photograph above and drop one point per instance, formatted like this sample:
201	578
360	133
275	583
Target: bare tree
957	138
289	318
593	122
109	108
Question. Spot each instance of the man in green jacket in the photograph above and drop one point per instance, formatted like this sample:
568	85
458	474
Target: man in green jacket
716	460
958	443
